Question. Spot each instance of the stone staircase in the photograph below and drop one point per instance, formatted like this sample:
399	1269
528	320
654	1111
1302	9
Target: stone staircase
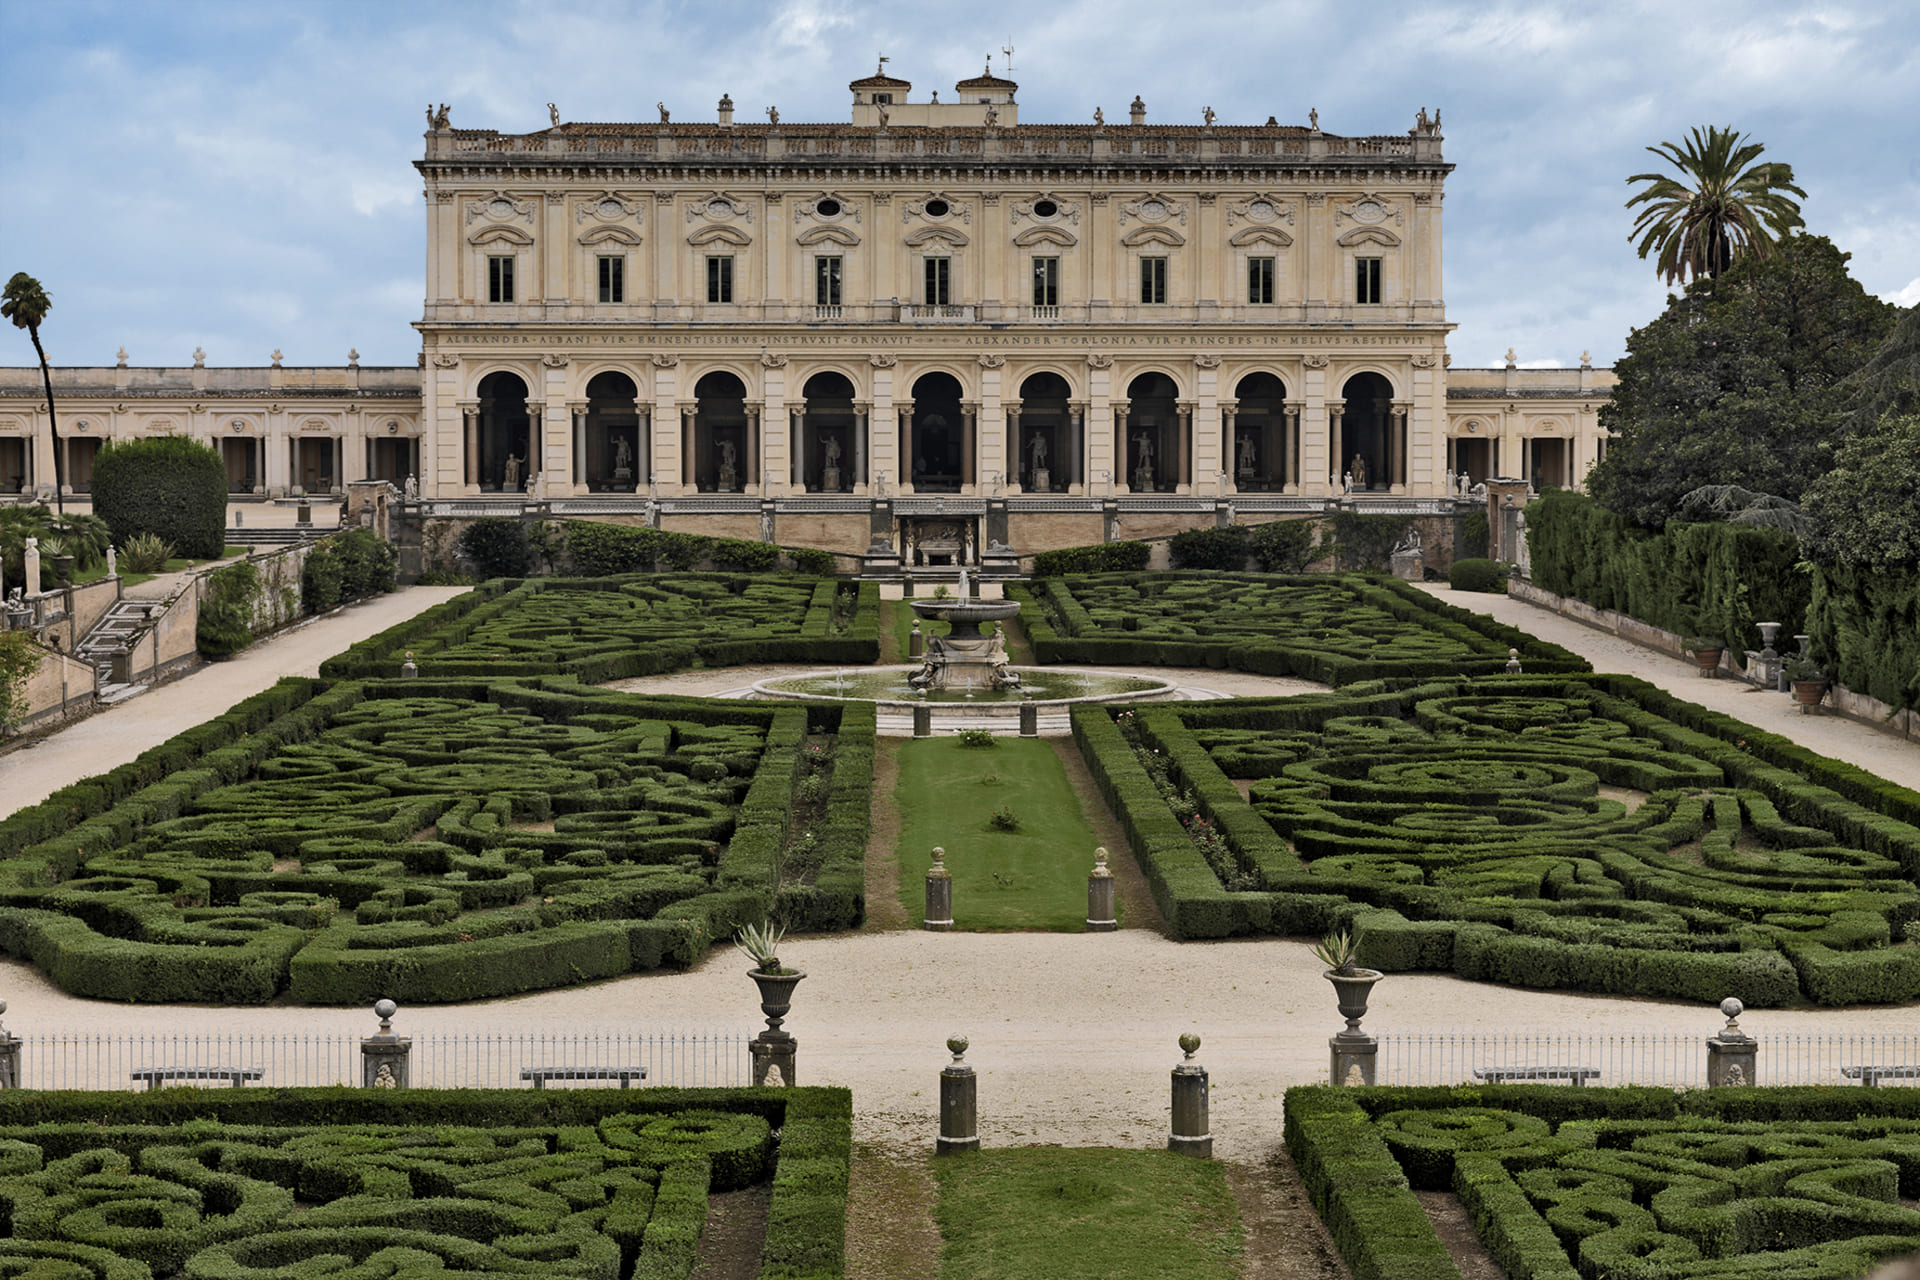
114	633
272	537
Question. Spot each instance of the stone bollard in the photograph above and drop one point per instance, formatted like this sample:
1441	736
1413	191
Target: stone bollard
1029	719
384	1057
922	720
409	669
916	643
1190	1135
239	519
9	1056
1513	662
939	893
1100	896
1732	1055
959	1104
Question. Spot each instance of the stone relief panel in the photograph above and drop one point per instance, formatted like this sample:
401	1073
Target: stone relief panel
498	206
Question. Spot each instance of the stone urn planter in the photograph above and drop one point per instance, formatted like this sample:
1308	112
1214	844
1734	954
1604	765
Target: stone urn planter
1351	987
1808	693
1707	658
776	998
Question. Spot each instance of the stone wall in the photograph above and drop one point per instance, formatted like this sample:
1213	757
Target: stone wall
61	689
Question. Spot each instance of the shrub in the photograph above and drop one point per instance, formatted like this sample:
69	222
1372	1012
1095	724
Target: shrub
1102	557
1004	819
1284	546
1365	542
1477	575
226	610
170	486
1210	548
976	738
499	547
146	553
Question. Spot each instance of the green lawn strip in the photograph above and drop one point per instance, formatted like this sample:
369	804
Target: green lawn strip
896	625
1055	1213
1032	878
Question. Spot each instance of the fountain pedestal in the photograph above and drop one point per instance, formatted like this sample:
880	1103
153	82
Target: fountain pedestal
963	658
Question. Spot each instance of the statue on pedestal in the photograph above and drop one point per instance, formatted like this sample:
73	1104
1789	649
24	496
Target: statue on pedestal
728	478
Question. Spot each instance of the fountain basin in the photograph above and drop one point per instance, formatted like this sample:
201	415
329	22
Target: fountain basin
965	616
1053	688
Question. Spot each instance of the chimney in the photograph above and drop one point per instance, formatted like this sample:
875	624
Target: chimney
726	111
1139	110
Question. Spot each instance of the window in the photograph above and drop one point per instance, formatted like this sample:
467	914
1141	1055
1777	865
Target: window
1260	280
720	279
499	279
1046	282
939	275
613	279
1153	280
826	282
1366	280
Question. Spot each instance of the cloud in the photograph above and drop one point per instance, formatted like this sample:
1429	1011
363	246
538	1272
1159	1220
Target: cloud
1905	297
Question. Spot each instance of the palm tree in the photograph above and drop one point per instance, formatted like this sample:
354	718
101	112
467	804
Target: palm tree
26	304
1734	207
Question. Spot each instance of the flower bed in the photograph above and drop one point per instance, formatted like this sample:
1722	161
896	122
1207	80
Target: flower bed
1333	629
1565	1183
1543	832
588	1183
435	840
603	629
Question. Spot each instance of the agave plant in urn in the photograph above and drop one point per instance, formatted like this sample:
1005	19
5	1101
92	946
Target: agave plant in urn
1351	983
761	944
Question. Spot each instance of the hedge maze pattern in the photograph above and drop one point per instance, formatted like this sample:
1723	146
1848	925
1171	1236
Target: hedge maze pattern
1558	1197
1546	833
617	1195
1331	629
437	841
604	629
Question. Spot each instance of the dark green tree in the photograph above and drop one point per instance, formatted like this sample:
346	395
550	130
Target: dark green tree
1727	208
170	486
1866	511
26	304
1889	382
1736	383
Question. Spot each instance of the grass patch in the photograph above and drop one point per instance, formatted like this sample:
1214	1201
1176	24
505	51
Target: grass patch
896	624
1058	1213
1034	877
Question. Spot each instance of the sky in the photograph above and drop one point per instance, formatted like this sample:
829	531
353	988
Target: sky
238	176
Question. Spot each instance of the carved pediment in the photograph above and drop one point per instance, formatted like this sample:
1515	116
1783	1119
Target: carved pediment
942	235
828	206
604	235
1260	235
1046	235
1369	235
719	206
500	235
944	206
500	207
1262	210
1045	207
1155	208
1153	235
609	206
720	235
827	235
1369	210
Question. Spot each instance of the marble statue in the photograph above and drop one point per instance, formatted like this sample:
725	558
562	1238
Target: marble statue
511	473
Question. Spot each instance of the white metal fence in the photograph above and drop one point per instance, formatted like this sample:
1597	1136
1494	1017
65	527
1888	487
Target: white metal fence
1670	1061
475	1060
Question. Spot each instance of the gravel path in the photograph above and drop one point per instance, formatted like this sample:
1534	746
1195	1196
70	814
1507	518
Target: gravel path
1073	1035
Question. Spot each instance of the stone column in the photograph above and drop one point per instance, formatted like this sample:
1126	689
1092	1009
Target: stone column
384	1057
1336	410
1190	1135
1230	445
969	443
470	434
797	447
1076	446
1016	457
1100	918
959	1104
1183	476
752	466
577	473
689	418
1732	1056
1122	476
642	444
531	476
1397	447
903	433
939	916
862	418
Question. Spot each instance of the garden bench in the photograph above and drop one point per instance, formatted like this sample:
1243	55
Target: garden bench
1507	1075
540	1075
1873	1075
155	1076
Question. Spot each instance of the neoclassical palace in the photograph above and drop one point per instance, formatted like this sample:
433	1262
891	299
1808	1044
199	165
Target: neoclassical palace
1040	334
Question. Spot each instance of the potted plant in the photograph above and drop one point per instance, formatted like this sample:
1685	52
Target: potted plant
761	944
1808	680
1706	651
1351	983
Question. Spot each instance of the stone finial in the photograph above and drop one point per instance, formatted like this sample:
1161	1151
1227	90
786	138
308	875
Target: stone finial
120	358
1586	359
384	1010
1100	862
939	858
199	358
1189	1044
1510	360
1513	662
957	1046
353	358
1731	1009
1138	110
277	357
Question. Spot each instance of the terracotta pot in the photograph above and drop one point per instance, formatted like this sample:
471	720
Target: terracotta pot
1808	693
1708	660
1352	989
776	997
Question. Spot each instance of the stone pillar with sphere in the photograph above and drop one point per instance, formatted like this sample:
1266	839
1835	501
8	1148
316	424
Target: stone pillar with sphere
384	1058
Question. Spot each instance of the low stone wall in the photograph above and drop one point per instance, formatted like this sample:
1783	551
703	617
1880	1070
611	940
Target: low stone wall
1840	699
62	688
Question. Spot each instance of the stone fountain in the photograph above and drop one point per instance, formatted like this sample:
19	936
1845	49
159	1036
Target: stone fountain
965	659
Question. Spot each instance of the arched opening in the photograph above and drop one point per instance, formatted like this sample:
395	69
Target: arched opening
505	461
614	455
725	457
829	437
1264	448
939	457
1046	436
1371	452
1154	441
1473	454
